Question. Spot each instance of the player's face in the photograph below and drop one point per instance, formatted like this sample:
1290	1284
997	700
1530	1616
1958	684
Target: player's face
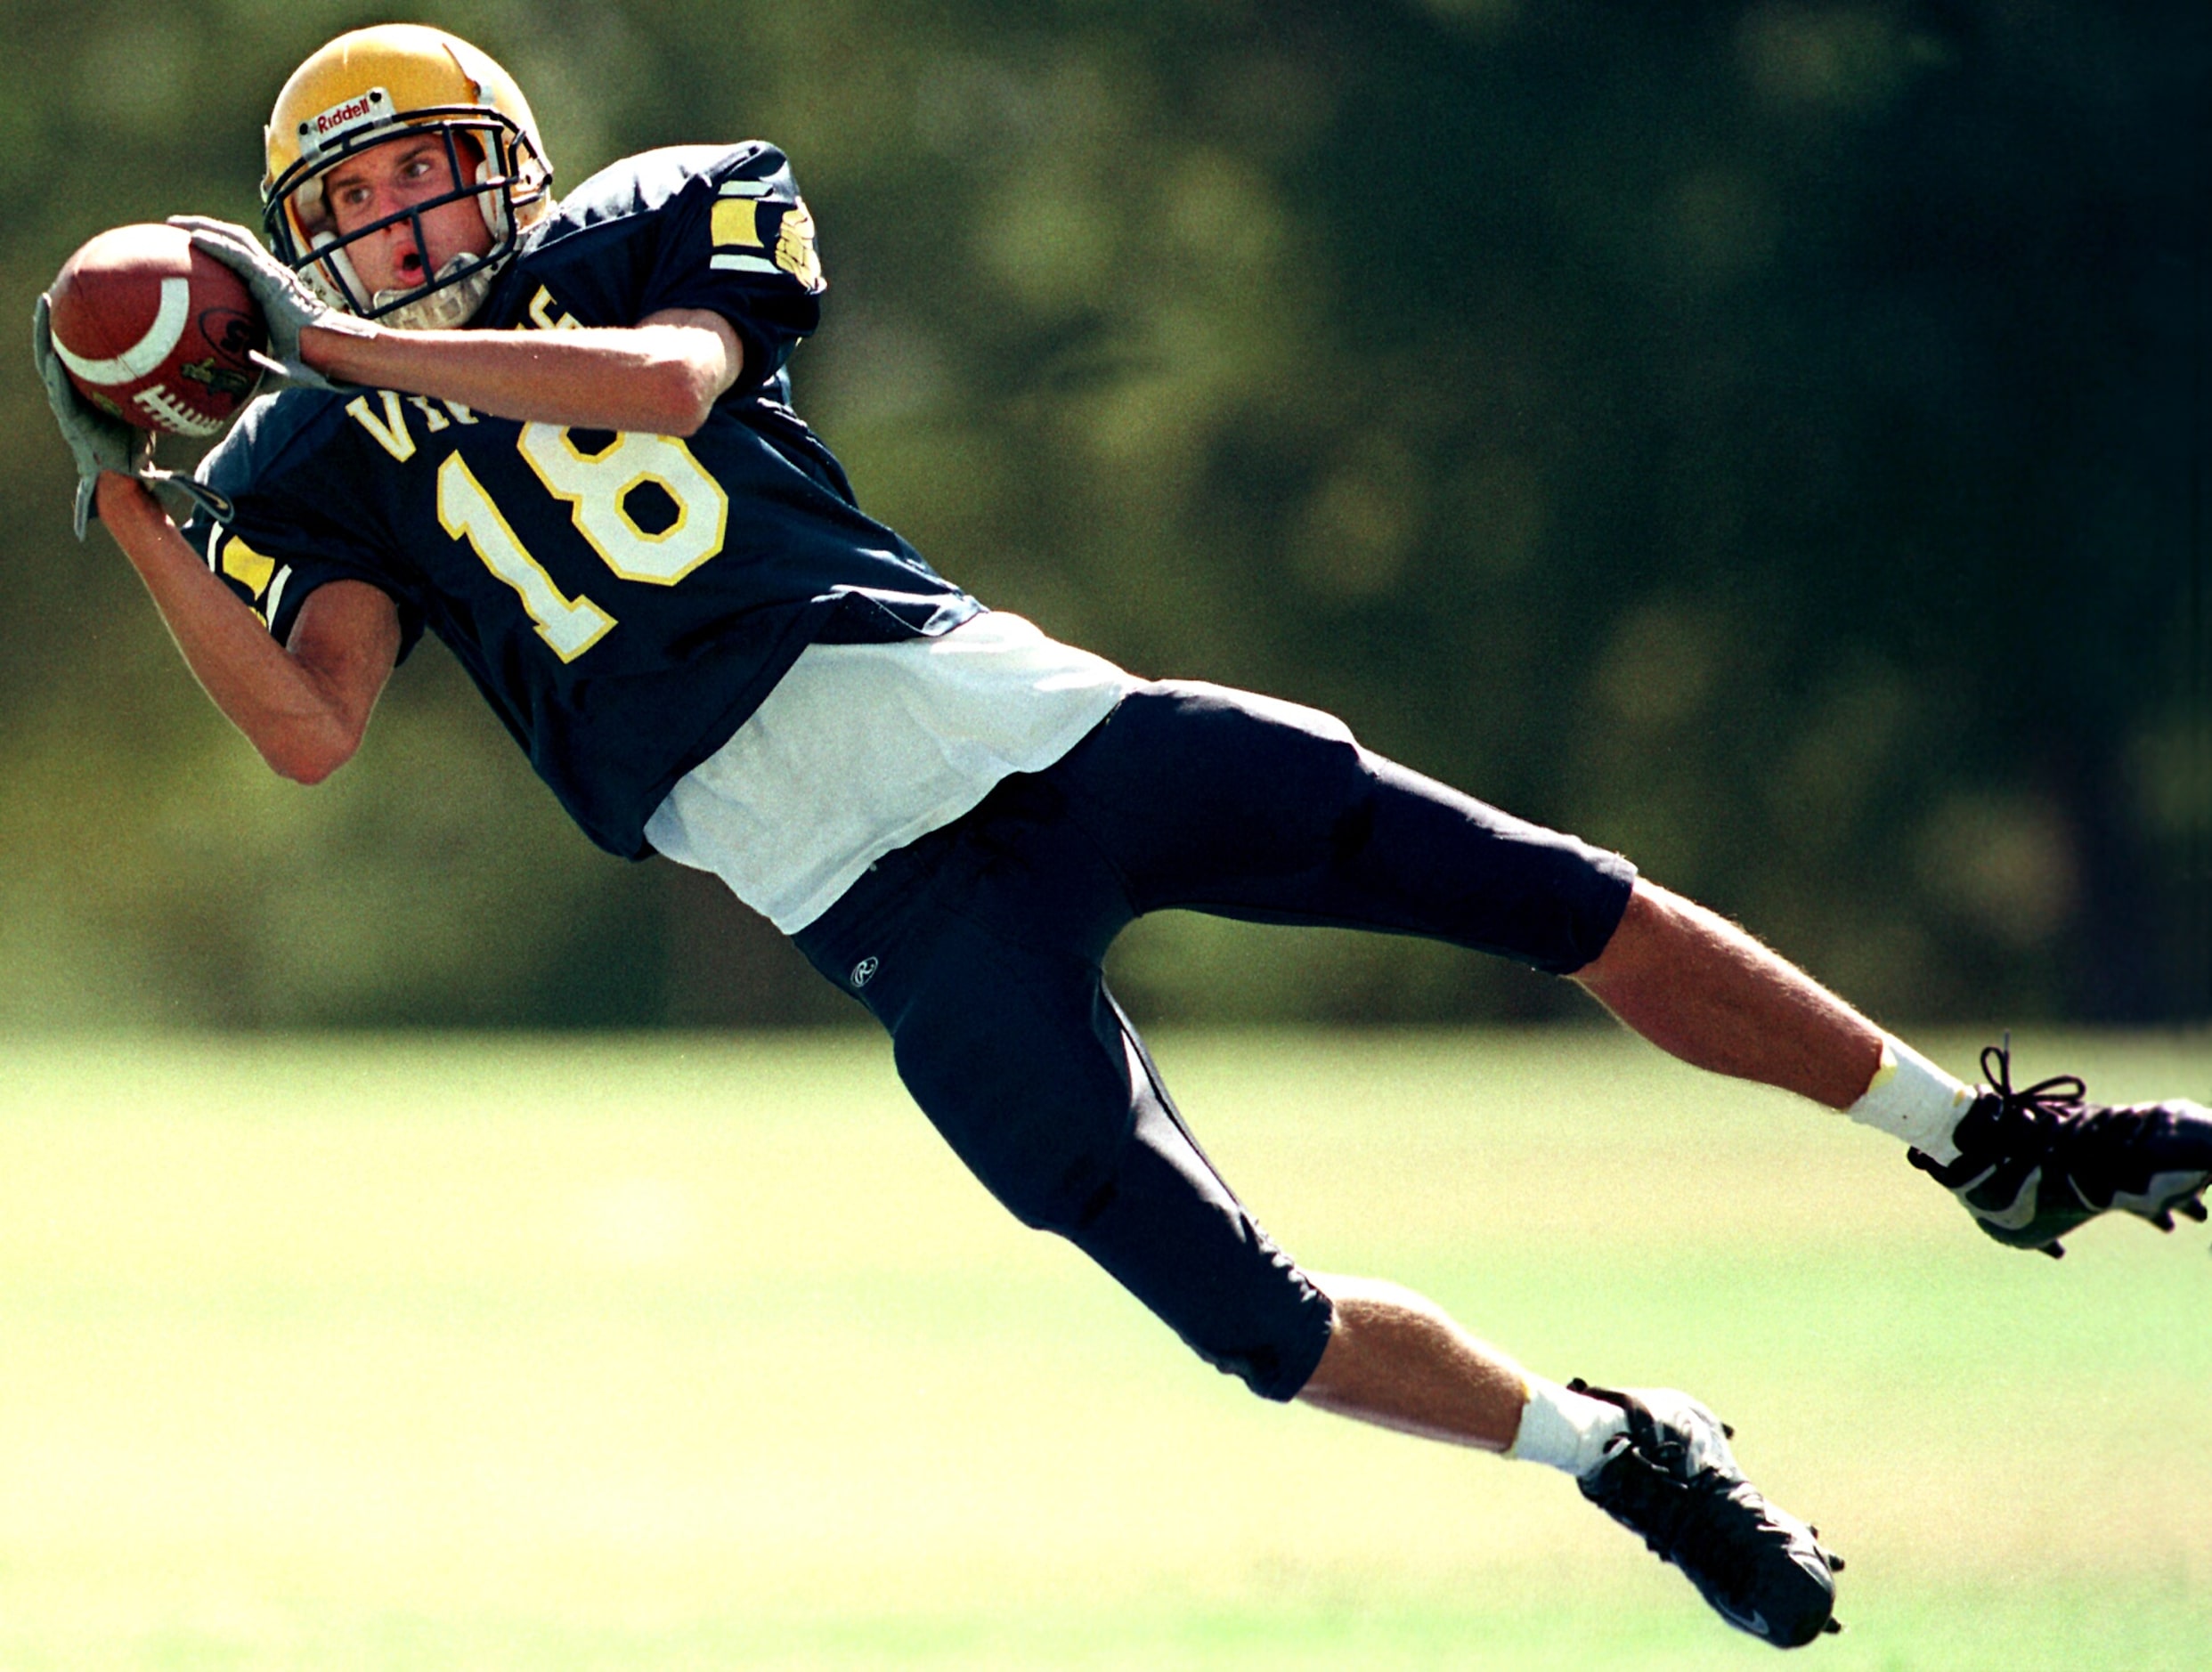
392	177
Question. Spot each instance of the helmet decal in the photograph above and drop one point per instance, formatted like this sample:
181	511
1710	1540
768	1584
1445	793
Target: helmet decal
326	128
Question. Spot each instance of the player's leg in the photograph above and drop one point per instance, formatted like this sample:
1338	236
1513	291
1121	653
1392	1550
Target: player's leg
1699	987
2030	1165
1655	1460
1279	815
1396	1360
978	949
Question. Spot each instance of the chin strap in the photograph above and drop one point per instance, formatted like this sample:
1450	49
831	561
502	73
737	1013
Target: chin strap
168	484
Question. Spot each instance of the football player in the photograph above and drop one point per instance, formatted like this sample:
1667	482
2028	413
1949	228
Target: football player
559	435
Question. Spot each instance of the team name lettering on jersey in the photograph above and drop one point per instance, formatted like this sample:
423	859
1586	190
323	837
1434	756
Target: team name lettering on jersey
391	430
545	314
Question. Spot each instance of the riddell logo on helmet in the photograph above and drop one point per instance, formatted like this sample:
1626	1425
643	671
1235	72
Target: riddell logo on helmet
367	107
343	114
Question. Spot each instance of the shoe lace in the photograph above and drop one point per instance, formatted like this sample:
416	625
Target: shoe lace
2043	1124
2033	1112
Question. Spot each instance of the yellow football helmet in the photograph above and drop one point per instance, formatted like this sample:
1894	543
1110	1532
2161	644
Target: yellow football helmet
375	84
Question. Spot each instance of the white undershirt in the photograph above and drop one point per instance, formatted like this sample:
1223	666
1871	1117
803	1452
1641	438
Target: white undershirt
862	747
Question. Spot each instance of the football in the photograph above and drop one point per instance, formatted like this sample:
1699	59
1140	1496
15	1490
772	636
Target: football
155	332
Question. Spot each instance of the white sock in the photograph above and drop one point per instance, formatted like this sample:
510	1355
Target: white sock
1913	1099
1564	1429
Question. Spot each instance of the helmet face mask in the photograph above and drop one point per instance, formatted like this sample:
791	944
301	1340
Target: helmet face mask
368	89
479	158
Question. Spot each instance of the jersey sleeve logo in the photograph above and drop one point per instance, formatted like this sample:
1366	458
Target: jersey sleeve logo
795	252
261	576
735	231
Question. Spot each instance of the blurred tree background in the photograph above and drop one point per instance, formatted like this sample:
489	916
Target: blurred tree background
1767	438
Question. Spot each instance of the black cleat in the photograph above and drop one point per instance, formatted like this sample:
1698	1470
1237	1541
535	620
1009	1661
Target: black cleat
2036	1163
1671	1478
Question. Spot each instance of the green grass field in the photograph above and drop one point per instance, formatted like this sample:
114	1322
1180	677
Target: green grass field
646	1353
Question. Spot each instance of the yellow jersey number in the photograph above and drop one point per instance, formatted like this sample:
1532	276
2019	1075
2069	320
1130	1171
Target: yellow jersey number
597	487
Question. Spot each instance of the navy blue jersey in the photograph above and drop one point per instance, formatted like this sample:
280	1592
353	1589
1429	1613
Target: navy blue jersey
624	601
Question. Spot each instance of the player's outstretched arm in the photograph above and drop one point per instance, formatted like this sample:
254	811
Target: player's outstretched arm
660	377
305	705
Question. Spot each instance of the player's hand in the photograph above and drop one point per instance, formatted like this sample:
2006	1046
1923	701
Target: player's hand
99	442
287	306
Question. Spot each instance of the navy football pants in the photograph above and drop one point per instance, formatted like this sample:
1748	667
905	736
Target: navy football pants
979	948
